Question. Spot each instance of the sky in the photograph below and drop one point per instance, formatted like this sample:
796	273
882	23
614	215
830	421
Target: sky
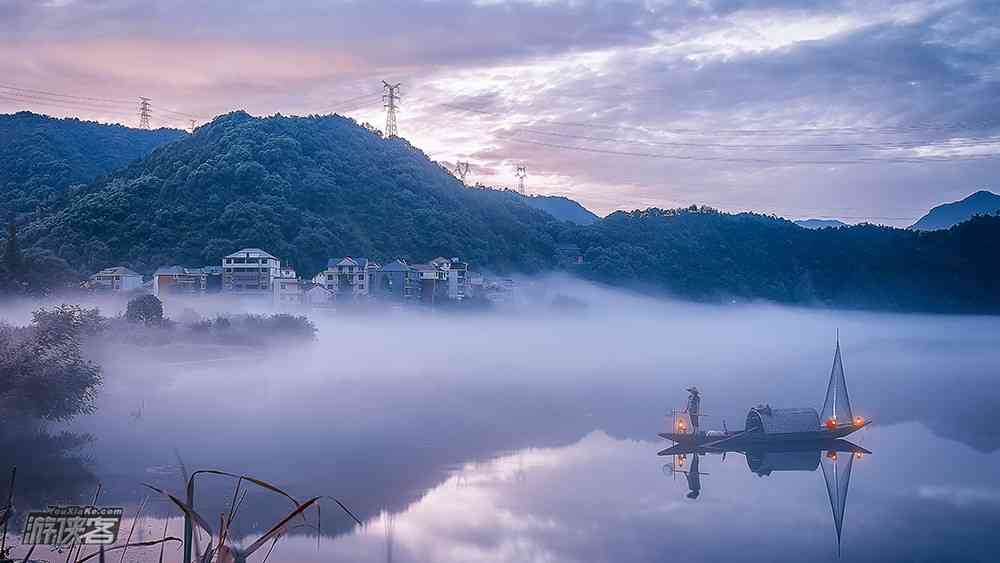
865	111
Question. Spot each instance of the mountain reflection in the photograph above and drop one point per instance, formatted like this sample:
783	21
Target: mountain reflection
834	457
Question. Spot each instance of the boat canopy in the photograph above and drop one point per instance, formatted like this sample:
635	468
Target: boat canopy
763	418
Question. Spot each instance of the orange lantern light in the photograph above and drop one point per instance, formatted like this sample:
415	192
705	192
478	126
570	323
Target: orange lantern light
859	421
831	423
831	455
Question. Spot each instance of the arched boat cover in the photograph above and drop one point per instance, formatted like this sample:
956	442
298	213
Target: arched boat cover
782	421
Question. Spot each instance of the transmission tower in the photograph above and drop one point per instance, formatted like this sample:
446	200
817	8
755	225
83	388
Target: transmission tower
461	170
192	125
391	98
521	173
144	112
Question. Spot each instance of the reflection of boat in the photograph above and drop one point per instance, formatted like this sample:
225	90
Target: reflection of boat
779	440
765	459
767	425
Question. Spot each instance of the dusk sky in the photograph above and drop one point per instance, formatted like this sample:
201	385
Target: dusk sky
862	110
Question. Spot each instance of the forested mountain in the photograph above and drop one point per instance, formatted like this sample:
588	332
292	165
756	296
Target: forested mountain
703	254
311	188
950	214
562	208
40	157
305	189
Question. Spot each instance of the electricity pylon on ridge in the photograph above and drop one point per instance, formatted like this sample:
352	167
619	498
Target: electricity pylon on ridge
521	173
391	98
193	124
145	110
461	170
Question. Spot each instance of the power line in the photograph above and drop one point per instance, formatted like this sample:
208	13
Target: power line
47	93
844	130
61	105
352	101
785	147
77	103
860	160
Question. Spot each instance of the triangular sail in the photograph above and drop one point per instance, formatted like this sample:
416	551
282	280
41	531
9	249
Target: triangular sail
837	405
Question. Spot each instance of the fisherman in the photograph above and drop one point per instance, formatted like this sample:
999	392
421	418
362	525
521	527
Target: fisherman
693	407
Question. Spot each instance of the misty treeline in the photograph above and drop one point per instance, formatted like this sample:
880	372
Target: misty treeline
703	254
145	323
45	373
311	188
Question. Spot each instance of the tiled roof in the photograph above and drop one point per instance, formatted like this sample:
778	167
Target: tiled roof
118	270
252	253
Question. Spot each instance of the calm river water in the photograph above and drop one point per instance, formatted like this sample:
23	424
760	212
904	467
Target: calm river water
534	438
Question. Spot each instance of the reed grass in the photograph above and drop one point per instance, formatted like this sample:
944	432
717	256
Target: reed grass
220	549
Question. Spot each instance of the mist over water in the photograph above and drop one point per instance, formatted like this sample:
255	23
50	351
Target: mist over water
530	433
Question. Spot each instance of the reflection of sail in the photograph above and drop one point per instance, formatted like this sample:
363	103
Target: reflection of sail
837	474
837	405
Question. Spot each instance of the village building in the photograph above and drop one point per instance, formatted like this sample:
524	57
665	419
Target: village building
349	277
118	278
456	277
287	288
317	296
395	281
249	272
178	280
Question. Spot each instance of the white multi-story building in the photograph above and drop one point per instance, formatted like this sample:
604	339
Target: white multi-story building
250	272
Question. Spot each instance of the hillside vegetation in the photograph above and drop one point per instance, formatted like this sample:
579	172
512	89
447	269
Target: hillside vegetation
304	188
703	254
40	157
311	188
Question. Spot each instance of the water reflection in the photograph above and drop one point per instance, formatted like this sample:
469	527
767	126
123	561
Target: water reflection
835	457
480	453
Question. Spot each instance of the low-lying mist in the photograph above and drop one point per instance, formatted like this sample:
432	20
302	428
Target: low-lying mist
384	403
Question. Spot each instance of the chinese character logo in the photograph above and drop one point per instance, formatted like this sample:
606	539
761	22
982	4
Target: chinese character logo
67	525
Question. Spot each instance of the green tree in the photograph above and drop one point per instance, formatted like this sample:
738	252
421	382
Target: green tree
43	373
145	309
12	255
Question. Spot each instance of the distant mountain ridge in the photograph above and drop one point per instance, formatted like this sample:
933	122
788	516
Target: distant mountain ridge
562	208
820	223
948	215
310	188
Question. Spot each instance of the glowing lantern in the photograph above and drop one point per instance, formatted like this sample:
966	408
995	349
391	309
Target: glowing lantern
858	455
832	455
831	423
859	421
681	427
